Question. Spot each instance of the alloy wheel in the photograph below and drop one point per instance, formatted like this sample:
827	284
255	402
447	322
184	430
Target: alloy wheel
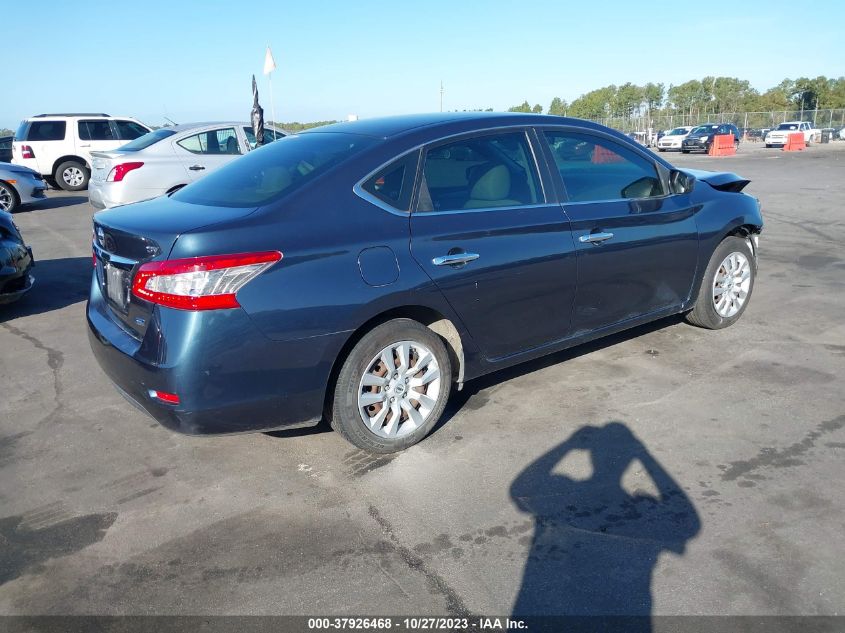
399	389
73	176
731	284
7	199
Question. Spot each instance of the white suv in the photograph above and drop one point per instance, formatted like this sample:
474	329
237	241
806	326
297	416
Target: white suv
59	146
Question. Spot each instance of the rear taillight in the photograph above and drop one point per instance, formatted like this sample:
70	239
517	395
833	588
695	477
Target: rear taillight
119	171
200	283
26	152
164	396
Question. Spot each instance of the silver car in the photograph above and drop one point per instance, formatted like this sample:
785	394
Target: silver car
19	185
167	159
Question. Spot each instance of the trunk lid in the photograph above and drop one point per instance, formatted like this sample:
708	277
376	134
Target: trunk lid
102	163
128	236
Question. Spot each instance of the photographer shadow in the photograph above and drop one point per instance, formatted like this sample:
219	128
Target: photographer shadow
596	544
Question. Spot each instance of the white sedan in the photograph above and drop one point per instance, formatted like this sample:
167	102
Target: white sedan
167	159
673	138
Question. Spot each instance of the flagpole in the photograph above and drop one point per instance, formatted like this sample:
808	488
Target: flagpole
272	103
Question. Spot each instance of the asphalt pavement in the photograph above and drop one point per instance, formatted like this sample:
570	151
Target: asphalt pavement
668	470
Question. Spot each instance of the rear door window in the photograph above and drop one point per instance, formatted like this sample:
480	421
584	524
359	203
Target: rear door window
222	141
95	130
494	170
129	130
596	169
46	131
270	135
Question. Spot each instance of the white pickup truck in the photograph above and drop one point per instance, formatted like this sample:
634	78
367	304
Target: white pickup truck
780	135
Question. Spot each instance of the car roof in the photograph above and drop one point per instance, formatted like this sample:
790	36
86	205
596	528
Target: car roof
393	126
181	127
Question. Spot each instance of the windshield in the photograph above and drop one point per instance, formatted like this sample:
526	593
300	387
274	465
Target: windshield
678	131
703	129
274	170
788	126
150	138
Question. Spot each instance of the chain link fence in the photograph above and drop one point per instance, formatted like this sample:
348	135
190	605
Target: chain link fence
750	120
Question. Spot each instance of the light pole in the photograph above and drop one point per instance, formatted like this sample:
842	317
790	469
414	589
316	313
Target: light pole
441	95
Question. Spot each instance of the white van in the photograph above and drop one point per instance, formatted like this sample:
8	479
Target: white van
59	146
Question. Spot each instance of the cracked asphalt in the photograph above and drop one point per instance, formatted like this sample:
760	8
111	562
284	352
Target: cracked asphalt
669	470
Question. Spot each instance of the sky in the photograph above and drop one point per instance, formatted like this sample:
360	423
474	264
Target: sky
193	61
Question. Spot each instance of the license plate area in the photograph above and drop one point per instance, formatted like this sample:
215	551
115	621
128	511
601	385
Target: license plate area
117	286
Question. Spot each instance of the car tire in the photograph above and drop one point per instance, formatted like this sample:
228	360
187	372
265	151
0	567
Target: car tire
731	273
71	175
684	151
768	145
390	425
660	149
9	199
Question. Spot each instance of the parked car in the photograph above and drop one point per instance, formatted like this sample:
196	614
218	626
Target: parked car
19	185
59	146
779	136
167	159
359	270
6	149
700	138
673	138
16	261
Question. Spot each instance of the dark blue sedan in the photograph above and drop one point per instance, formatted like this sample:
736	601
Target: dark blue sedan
361	270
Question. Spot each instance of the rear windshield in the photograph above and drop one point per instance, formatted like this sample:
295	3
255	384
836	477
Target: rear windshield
274	170
20	135
143	142
678	131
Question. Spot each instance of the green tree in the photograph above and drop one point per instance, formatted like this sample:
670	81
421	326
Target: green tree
653	96
628	100
524	107
558	107
537	109
6	132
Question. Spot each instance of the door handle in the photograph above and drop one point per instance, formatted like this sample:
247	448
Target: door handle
196	167
595	238
85	145
454	259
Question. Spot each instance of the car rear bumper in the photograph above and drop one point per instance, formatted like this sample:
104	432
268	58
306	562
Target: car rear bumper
229	377
105	195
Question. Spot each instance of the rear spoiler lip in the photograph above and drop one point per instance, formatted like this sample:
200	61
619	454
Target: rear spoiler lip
720	180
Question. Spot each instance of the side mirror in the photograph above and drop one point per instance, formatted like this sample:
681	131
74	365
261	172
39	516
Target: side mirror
681	182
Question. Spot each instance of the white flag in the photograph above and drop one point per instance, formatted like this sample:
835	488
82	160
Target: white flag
269	62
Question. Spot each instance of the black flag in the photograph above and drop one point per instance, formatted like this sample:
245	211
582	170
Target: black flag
257	116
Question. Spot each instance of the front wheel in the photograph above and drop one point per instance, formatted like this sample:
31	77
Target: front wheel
685	151
72	175
726	287
8	197
392	388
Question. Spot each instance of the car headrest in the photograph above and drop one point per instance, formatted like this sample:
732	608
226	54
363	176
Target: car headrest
495	184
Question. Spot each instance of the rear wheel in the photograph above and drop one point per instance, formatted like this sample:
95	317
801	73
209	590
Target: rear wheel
685	151
9	200
392	388
72	175
726	286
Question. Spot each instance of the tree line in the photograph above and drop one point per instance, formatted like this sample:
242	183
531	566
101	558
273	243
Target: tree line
709	94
